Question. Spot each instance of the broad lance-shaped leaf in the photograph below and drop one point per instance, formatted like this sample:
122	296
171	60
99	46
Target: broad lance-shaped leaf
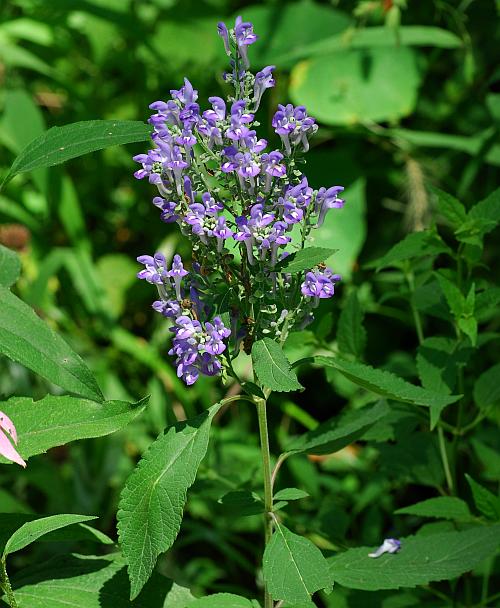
385	383
485	501
33	530
26	339
340	431
272	367
293	567
305	259
421	560
487	388
59	144
10	266
54	421
442	507
78	581
152	501
351	334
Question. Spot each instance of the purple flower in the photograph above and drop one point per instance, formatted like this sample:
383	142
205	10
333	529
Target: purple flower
293	126
155	270
222	232
169	209
263	80
273	167
224	34
176	273
168	308
186	94
319	284
245	36
328	199
390	545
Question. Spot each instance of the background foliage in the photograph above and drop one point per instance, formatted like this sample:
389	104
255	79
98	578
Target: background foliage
406	100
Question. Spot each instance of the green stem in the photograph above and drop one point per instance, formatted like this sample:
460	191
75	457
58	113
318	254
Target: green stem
5	584
444	458
268	489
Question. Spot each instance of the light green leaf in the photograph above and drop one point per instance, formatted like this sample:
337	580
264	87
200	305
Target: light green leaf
421	560
385	383
10	266
32	530
414	245
272	367
338	89
54	420
346	229
351	334
177	597
59	144
442	507
305	259
450	207
340	431
78	581
152	501
290	494
487	388
293	567
221	600
486	502
25	338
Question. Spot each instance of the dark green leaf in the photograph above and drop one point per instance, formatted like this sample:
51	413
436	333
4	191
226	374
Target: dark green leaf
54	421
59	144
421	560
450	208
442	507
305	259
414	245
272	367
487	388
351	334
25	338
10	266
340	431
242	502
152	501
486	502
488	209
221	600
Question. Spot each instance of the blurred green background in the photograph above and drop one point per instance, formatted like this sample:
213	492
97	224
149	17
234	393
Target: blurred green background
406	95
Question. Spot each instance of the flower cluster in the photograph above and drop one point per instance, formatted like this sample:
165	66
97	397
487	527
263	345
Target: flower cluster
245	207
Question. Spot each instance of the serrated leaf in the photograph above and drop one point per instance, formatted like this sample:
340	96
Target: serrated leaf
293	567
421	560
385	383
10	266
54	420
486	502
242	502
79	581
290	494
221	600
26	339
152	501
488	209
351	334
450	207
340	431
32	530
59	144
272	367
487	388
305	259
414	245
442	507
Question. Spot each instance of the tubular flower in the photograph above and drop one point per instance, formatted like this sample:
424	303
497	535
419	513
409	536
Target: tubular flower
8	440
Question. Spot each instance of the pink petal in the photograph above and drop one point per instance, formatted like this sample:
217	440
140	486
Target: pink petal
7	425
8	450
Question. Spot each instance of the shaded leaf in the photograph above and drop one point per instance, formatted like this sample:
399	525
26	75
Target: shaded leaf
485	501
487	388
272	367
221	600
442	507
242	502
351	334
10	266
414	245
450	207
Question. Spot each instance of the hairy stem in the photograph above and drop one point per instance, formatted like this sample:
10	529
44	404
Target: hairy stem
268	488
5	584
444	458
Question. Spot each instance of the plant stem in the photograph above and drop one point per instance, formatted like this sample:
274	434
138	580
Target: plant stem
5	584
444	458
268	489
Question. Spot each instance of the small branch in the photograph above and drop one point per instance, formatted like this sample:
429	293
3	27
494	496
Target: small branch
6	586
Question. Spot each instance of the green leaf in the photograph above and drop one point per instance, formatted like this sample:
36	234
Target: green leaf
305	259
25	338
54	420
453	295
59	144
293	567
338	89
414	245
152	501
221	600
340	431
79	581
32	530
488	209
442	507
385	383
450	207
487	388
422	559
290	494
485	501
351	334
272	367
10	266
242	502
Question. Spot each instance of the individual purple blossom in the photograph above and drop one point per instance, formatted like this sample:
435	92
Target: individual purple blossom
244	34
326	200
224	34
273	167
293	126
168	308
8	440
176	273
222	232
186	94
319	284
169	209
390	545
263	80
155	268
